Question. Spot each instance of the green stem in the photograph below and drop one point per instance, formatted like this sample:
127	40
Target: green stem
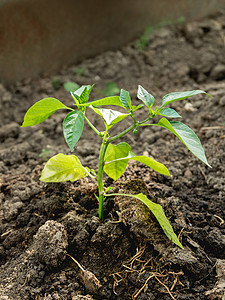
115	137
142	122
117	194
92	126
101	196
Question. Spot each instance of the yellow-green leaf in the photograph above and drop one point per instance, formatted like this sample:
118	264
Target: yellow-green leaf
113	153
148	161
41	110
113	100
62	168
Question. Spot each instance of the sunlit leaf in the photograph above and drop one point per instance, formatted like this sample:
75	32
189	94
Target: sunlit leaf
148	161
73	125
111	117
145	96
115	169
176	96
41	110
82	94
187	137
114	100
159	214
169	113
62	168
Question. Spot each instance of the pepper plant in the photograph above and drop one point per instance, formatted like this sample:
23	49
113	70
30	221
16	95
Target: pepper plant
113	159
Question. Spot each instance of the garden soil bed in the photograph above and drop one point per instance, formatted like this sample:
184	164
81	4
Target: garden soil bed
52	244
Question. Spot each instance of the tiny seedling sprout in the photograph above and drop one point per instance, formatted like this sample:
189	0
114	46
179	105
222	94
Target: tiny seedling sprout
113	159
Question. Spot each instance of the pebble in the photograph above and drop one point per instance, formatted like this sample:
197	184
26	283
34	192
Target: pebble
218	72
187	174
222	101
189	107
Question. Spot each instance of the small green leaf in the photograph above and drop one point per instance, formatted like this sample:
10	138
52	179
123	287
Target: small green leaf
169	113
109	188
114	100
187	137
61	168
125	99
169	98
111	89
158	212
73	125
148	161
70	86
82	94
111	117
113	153
41	110
145	96
134	107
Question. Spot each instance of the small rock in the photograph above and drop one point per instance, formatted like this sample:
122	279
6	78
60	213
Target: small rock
222	101
187	174
189	107
218	72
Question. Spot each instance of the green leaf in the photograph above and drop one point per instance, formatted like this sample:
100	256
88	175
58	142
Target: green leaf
125	99
145	96
148	161
73	125
169	98
41	110
61	168
115	169
111	89
114	100
158	212
82	94
109	188
187	137
151	163
134	107
169	113
70	86
111	117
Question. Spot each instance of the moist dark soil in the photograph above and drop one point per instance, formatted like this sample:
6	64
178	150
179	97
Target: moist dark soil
53	246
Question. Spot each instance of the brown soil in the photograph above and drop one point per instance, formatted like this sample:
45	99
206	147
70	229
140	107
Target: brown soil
53	246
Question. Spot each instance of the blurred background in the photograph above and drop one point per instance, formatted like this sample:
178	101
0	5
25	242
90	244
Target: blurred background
42	36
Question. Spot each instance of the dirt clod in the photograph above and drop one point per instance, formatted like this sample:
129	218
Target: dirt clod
50	243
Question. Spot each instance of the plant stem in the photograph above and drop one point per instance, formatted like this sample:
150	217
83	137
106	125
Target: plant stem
115	137
92	126
101	196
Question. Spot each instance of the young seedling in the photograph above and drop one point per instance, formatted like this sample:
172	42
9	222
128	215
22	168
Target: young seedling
113	159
